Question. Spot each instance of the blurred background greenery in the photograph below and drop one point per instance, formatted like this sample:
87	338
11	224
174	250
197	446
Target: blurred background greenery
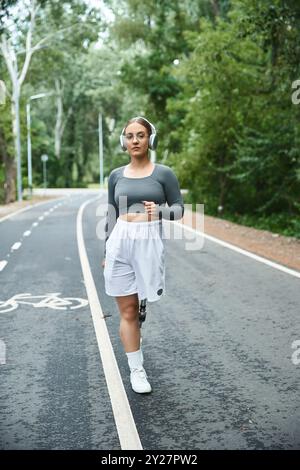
216	78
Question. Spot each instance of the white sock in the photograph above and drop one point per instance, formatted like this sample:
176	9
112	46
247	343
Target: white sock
135	359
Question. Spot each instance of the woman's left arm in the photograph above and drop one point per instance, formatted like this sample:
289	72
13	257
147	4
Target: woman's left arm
174	198
175	209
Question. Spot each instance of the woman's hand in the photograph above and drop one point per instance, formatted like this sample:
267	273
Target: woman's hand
150	208
103	263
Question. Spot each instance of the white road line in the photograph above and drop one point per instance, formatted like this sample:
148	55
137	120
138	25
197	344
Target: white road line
3	264
127	432
41	217
8	216
27	233
278	266
16	246
35	224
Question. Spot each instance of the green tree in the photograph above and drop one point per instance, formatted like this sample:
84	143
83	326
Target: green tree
238	147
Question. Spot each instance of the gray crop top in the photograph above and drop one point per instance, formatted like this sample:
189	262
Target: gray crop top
126	195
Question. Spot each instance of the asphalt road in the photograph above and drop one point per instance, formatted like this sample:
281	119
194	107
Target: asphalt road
217	347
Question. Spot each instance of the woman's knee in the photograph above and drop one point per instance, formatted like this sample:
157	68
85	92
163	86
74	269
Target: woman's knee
129	311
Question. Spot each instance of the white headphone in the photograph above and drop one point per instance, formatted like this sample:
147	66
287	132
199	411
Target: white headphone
152	137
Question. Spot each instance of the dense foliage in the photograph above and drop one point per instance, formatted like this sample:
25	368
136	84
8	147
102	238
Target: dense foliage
217	77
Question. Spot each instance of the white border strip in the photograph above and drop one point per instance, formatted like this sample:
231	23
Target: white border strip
30	207
280	267
126	428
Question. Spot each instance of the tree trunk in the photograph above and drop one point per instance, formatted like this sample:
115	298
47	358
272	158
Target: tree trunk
59	119
9	170
15	108
215	7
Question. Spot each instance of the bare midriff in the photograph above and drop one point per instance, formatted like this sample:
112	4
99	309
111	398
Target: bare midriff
133	217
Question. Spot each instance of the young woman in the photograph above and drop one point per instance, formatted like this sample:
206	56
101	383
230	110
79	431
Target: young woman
133	262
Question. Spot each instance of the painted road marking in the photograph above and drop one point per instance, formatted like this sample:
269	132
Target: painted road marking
3	263
126	428
278	266
13	214
49	300
16	246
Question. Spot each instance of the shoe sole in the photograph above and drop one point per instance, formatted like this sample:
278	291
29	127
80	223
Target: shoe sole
142	393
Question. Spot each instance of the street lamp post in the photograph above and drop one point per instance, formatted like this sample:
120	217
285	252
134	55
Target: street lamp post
44	159
29	149
100	148
29	156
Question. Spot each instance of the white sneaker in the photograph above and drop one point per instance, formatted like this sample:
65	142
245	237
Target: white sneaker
139	382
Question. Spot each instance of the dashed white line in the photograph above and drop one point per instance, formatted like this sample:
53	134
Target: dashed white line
41	217
27	233
13	214
3	264
16	246
126	428
35	224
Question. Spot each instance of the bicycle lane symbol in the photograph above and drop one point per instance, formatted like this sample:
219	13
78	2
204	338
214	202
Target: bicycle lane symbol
49	300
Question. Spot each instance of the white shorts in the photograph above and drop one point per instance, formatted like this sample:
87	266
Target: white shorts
135	260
